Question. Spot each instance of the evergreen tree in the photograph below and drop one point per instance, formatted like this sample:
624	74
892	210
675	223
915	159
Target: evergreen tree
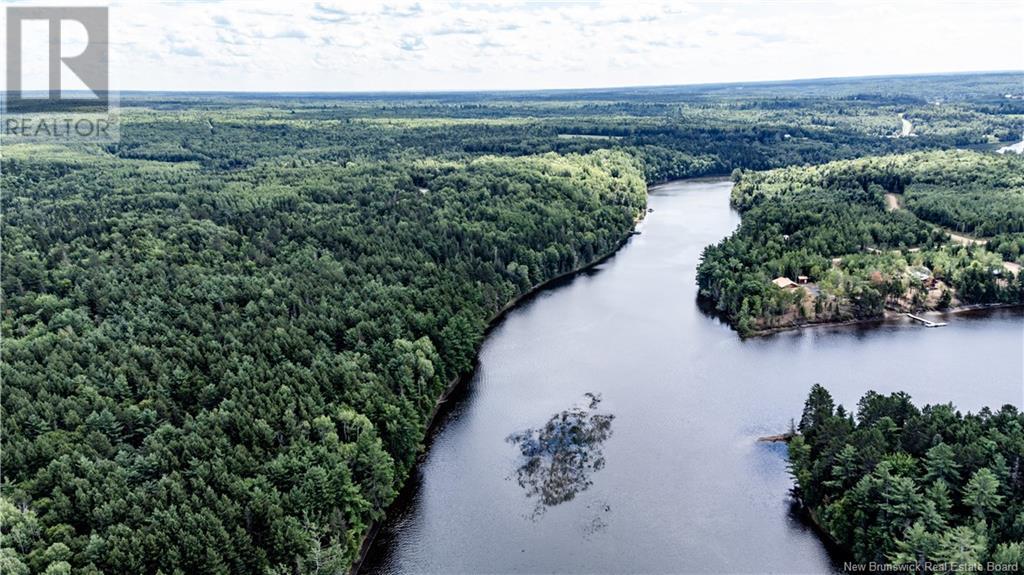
982	493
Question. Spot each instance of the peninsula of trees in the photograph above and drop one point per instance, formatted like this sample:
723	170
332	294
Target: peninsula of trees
897	485
849	239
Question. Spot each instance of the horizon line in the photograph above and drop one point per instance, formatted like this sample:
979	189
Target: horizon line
542	90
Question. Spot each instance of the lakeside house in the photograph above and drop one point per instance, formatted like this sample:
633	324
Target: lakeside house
785	283
921	274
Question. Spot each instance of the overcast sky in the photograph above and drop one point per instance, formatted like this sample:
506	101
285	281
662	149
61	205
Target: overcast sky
345	46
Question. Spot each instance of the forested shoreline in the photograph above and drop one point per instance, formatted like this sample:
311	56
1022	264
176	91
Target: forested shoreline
460	379
314	453
224	335
849	239
929	488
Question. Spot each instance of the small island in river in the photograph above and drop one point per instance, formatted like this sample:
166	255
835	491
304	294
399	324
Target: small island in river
860	239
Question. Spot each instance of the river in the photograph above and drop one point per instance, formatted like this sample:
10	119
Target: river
1017	148
666	475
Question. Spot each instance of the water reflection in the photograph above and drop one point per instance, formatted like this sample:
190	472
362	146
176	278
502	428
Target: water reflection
559	458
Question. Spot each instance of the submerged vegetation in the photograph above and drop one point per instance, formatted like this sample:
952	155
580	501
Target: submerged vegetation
225	334
895	484
559	458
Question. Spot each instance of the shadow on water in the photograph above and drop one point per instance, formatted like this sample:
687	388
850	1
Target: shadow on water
559	458
707	307
799	517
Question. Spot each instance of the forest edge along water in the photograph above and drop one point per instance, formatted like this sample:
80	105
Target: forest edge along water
826	244
457	384
683	388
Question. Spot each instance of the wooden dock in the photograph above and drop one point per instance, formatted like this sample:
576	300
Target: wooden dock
780	438
927	323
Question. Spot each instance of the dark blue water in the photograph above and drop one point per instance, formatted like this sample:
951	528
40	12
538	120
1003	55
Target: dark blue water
677	482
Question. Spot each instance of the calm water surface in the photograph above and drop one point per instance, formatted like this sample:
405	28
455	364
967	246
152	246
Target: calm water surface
658	470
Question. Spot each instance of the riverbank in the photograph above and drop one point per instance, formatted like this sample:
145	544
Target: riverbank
796	220
457	384
811	517
887	316
1017	148
711	178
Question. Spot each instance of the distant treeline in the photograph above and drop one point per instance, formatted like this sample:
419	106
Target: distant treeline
678	132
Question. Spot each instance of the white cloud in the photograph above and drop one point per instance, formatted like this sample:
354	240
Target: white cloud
340	45
411	43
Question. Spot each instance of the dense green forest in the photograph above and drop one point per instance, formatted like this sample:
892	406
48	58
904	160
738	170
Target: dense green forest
225	373
224	335
869	234
895	484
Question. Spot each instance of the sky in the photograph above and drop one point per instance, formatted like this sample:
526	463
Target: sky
368	46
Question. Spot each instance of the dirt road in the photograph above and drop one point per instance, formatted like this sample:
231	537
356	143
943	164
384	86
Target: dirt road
892	202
